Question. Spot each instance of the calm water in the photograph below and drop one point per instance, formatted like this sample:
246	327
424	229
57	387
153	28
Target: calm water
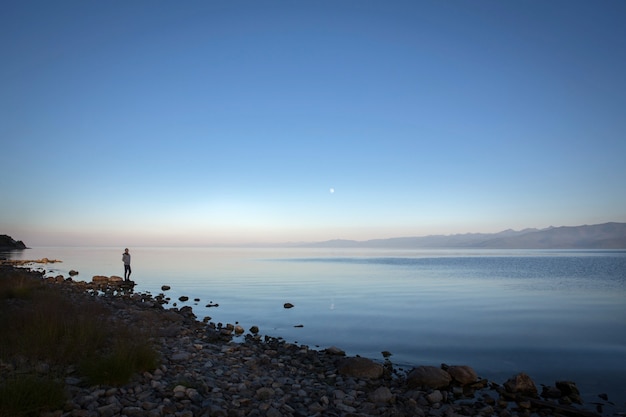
553	314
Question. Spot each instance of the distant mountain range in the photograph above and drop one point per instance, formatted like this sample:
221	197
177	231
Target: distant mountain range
599	236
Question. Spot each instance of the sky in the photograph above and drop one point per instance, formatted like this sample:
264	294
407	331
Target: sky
156	123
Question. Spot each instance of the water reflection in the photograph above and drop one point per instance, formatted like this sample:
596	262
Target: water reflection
553	314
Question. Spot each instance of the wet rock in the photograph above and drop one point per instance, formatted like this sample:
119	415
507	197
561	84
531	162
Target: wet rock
100	279
288	305
570	390
462	374
521	384
360	368
551	392
334	350
428	377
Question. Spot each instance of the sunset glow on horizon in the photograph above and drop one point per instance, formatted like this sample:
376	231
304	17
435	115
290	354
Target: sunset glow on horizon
207	123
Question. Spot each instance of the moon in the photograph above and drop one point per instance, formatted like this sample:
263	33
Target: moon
332	190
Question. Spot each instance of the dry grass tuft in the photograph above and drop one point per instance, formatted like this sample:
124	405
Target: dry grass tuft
42	324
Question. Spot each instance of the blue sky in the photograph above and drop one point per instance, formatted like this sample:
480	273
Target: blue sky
211	122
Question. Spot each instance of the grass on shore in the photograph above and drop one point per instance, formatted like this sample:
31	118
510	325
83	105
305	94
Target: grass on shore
45	335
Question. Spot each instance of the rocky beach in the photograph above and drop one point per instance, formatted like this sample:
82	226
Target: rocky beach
208	369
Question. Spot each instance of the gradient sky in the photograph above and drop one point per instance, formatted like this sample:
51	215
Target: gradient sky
135	123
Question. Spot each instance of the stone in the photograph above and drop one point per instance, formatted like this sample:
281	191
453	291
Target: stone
435	397
334	350
264	393
570	390
100	279
381	395
521	384
463	374
109	410
428	377
73	272
288	305
133	411
165	288
360	368
181	356
272	412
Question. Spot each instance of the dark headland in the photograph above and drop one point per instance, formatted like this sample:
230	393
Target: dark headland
8	243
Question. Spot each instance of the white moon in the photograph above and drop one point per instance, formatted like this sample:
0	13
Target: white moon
332	190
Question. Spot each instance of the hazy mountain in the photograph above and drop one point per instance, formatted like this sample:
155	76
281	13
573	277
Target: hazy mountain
600	236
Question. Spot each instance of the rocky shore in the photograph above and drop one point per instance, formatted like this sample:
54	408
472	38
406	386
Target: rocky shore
222	370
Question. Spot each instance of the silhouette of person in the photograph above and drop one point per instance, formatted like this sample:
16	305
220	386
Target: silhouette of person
126	260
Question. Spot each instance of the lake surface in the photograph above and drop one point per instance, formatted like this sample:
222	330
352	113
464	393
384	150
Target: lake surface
556	315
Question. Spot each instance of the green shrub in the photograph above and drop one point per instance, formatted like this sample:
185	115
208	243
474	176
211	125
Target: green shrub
27	395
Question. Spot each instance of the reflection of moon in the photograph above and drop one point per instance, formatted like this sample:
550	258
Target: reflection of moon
332	190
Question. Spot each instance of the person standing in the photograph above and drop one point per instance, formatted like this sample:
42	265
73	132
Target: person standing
126	260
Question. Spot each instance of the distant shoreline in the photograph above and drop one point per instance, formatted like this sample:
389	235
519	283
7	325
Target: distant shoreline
608	236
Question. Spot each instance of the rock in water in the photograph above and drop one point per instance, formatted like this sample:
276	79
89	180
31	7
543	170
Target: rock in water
522	384
360	368
463	374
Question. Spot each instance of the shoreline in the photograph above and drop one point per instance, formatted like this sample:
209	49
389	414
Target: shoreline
329	384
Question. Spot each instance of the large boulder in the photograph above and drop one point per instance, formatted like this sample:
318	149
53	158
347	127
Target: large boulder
521	384
428	377
360	368
462	374
100	279
570	390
